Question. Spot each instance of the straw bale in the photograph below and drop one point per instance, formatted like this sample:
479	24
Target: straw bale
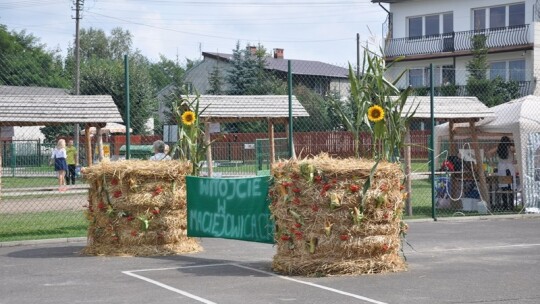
326	226
138	208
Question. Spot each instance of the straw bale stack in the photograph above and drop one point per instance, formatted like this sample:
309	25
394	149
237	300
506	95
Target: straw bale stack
138	208
323	224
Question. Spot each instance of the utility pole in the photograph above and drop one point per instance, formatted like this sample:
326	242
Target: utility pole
78	7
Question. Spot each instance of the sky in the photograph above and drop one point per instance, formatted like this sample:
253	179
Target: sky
322	30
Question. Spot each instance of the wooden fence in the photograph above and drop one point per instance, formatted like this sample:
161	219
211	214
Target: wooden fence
239	146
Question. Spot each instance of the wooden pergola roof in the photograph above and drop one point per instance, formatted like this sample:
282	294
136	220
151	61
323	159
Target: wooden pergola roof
27	110
19	107
236	108
229	108
455	108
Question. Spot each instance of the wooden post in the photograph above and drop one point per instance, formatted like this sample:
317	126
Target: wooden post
209	149
451	145
452	151
479	165
88	145
272	146
287	136
99	143
408	179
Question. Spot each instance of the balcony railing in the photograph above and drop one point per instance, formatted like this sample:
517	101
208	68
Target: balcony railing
457	41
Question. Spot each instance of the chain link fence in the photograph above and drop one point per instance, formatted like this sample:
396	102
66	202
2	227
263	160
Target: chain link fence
31	205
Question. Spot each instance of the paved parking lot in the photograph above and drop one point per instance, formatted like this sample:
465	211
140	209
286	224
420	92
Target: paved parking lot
495	260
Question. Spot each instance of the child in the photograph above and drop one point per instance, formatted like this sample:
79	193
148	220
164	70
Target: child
60	165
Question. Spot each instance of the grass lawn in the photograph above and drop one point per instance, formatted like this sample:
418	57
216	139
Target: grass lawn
30	182
42	225
61	224
421	202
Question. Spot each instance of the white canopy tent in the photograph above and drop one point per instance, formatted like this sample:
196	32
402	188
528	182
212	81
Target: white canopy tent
455	109
519	118
110	127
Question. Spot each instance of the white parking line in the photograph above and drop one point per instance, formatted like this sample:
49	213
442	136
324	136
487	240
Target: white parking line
314	285
184	293
192	296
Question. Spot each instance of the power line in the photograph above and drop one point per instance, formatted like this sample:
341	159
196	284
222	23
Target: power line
28	3
251	3
216	36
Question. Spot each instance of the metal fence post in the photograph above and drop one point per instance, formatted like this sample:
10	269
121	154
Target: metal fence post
289	92
13	159
432	140
126	100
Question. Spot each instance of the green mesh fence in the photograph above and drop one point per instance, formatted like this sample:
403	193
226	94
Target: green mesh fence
31	205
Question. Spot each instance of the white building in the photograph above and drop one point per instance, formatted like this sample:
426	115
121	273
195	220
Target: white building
441	32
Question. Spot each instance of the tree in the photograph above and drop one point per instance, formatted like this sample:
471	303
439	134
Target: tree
319	109
215	81
26	62
100	77
102	72
166	72
237	77
490	92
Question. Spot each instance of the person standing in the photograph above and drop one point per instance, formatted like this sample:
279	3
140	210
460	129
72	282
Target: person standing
71	160
60	165
505	167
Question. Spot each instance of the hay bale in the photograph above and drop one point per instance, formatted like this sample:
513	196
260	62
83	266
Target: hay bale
138	208
323	224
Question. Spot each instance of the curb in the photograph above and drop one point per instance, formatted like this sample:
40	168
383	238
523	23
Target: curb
43	242
475	218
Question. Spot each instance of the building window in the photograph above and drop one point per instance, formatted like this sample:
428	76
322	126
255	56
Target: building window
495	17
448	23
497	69
442	75
479	16
448	75
417	77
508	70
516	70
431	25
516	14
415	27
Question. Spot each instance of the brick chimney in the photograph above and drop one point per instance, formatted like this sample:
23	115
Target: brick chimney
252	50
278	53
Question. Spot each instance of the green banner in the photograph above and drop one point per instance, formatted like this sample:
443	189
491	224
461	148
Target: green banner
230	208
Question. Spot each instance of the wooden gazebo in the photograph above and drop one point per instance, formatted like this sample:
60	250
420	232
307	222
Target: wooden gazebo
35	110
244	108
453	109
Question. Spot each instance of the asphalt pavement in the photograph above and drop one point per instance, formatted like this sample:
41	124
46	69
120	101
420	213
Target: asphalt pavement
460	260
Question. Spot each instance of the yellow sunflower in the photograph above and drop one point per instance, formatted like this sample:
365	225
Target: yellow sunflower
188	118
375	113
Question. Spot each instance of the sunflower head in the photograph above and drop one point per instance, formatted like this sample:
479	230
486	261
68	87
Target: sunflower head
188	118
375	113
